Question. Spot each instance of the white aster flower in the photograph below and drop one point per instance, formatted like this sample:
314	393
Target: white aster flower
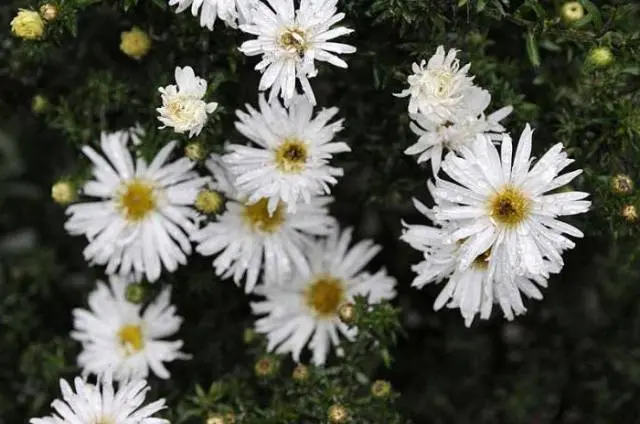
118	337
101	404
442	90
141	218
475	289
290	41
499	203
247	238
290	163
436	136
229	11
307	306
182	106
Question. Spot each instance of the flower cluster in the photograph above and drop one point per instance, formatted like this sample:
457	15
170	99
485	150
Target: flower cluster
262	209
496	234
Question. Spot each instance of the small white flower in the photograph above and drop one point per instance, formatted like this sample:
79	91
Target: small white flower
247	238
142	211
290	163
229	11
442	90
101	404
436	136
118	337
182	106
290	41
305	310
475	289
502	202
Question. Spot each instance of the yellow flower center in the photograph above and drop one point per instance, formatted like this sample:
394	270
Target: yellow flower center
510	206
291	156
257	216
137	200
325	295
131	338
294	39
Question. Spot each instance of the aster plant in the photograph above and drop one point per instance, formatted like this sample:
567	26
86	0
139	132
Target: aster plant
318	211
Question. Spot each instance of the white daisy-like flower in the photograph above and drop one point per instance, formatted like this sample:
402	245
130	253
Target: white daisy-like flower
502	202
229	11
118	337
102	404
475	289
246	238
142	216
290	41
305	310
436	136
442	90
291	161
183	107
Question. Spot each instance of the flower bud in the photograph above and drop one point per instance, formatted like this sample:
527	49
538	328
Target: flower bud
630	213
209	201
338	414
135	43
63	192
48	12
600	57
622	184
572	11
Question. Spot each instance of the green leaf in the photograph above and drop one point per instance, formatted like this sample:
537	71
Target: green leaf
537	9
532	49
594	12
583	21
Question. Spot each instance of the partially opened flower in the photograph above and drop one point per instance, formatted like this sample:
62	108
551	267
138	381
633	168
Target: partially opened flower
441	90
183	107
290	41
141	216
305	311
121	338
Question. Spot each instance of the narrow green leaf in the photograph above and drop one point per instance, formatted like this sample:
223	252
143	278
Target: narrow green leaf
532	49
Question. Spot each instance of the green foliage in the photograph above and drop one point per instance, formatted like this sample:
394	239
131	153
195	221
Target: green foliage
572	359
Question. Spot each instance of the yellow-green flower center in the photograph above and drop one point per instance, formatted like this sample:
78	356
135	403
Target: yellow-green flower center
441	82
136	200
325	295
209	201
509	206
131	338
257	216
291	156
294	39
